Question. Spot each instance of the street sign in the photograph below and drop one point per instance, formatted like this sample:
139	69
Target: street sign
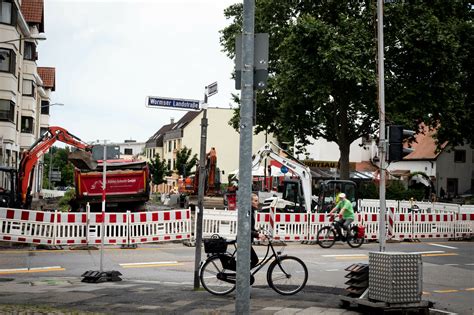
172	103
212	89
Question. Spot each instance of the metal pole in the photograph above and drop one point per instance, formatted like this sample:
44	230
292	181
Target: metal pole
382	141
50	166
102	229
200	214
242	301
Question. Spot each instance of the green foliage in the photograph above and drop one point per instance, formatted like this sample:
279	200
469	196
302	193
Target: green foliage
184	162
322	68
158	169
396	190
430	66
368	190
59	159
64	201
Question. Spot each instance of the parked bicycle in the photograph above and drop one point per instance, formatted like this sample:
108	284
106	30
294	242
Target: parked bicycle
286	275
328	235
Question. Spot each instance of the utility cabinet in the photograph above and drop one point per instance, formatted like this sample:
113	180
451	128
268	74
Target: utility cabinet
395	277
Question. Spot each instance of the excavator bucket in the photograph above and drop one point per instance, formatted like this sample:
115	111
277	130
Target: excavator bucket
82	160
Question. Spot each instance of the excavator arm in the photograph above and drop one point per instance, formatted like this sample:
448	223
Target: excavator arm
299	169
31	156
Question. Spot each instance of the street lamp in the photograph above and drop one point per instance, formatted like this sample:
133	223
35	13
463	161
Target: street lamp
39	36
49	105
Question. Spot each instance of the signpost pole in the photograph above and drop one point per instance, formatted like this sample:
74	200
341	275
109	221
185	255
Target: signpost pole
211	89
102	229
202	174
242	301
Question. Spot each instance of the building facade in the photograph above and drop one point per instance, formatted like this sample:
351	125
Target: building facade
186	132
25	88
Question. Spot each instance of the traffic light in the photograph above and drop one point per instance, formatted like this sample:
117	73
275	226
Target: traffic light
396	136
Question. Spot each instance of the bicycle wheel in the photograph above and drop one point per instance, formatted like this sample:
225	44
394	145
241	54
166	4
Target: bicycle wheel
353	240
209	280
326	237
287	275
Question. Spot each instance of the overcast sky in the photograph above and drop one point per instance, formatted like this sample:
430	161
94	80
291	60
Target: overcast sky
110	55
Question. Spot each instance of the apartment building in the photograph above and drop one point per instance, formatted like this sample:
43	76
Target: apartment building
25	88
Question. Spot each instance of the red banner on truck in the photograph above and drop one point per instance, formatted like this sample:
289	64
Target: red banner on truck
117	183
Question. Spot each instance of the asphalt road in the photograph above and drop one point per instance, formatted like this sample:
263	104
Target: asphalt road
448	266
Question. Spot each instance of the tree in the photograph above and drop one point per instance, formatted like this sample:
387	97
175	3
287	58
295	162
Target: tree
430	65
184	161
60	161
322	68
158	169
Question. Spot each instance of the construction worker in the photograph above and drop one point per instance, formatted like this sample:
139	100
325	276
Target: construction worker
338	192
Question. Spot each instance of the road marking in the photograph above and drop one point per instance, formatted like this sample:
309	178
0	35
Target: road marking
451	264
469	264
469	289
332	269
426	293
445	254
445	246
31	270
346	255
428	252
151	264
445	291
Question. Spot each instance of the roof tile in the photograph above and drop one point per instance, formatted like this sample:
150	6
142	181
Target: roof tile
48	75
33	10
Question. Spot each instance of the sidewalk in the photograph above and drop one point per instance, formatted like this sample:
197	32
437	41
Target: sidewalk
63	295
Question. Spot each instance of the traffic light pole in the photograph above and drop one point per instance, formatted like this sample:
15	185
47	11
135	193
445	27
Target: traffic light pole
382	139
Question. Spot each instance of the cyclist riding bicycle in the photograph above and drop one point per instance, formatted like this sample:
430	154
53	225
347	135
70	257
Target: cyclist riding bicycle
346	214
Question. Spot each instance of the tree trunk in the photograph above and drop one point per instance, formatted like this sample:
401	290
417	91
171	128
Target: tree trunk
344	149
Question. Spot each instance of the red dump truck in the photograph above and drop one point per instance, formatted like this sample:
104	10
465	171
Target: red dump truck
127	186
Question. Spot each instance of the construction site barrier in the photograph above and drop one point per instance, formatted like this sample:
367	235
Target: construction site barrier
464	225
58	228
404	221
222	222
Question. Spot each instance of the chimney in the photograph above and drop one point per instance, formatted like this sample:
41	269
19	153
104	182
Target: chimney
172	120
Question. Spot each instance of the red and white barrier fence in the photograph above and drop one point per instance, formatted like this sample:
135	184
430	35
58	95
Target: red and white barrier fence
404	221
57	228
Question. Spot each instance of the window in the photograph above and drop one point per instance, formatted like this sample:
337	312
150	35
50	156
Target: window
26	124
28	88
459	156
128	151
7	111
29	52
7	60
43	130
169	146
169	164
45	107
452	187
174	144
8	12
